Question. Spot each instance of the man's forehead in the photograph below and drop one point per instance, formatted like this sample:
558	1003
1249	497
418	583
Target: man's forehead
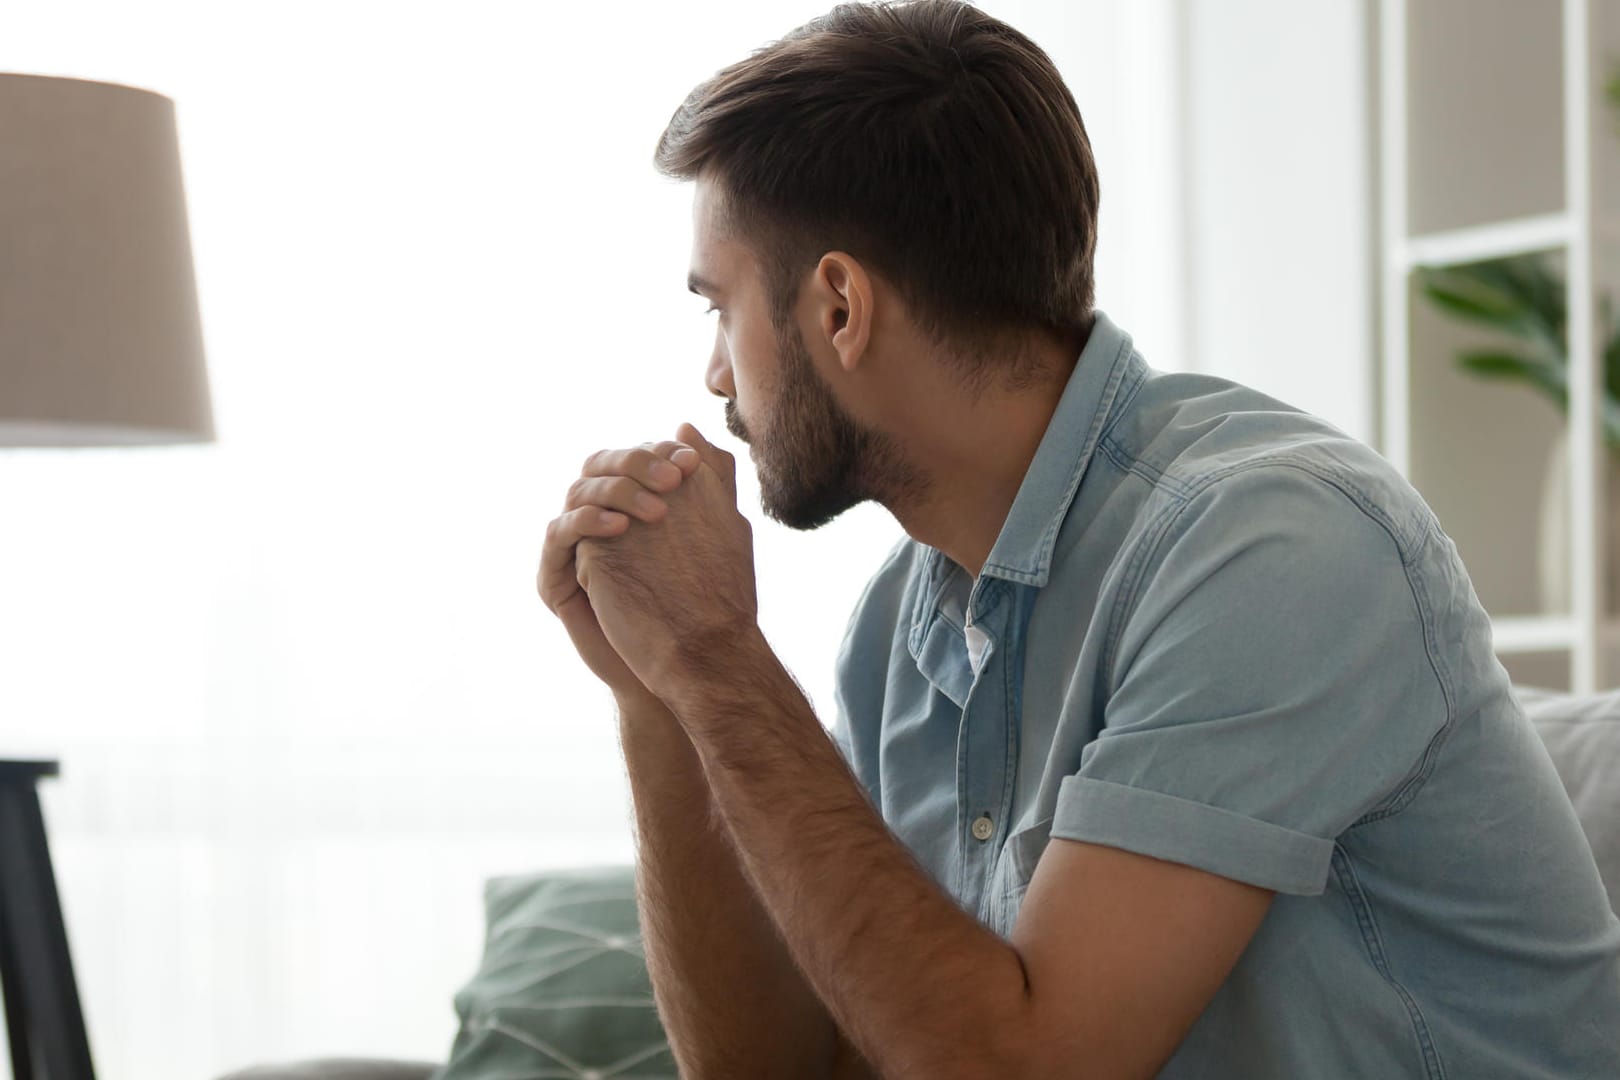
706	199
716	255
706	270
708	215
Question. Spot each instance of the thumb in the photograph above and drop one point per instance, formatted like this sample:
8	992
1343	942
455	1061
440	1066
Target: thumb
714	457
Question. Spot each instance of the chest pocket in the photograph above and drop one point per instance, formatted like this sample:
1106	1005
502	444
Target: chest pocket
1010	878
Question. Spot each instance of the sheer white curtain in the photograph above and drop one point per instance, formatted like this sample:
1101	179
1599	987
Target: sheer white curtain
303	693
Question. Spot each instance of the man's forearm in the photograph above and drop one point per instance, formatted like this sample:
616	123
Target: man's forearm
732	1001
919	985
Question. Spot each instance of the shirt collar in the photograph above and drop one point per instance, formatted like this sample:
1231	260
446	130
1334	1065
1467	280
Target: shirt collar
1023	550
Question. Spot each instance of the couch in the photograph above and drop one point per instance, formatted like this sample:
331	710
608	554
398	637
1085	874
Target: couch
1582	736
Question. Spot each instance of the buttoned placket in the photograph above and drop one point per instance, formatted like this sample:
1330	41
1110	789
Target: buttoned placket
982	764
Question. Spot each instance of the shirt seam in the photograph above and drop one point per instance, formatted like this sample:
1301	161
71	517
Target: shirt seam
1135	567
1404	791
1373	942
1407	790
1122	405
1156	478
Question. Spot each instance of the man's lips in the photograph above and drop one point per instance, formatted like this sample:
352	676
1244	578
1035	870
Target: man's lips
734	423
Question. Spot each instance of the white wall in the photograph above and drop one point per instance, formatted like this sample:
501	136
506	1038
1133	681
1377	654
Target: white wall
1281	227
304	696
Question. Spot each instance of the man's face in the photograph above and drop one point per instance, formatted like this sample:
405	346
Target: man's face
806	448
812	457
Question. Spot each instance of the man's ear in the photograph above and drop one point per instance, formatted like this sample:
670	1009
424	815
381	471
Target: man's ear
845	315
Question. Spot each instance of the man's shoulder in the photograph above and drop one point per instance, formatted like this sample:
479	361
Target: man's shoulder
1209	445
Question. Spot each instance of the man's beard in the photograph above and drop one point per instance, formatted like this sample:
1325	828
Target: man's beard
814	460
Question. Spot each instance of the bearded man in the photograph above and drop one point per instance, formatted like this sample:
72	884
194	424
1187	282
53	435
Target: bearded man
1170	739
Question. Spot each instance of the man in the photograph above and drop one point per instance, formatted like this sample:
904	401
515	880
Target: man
1170	740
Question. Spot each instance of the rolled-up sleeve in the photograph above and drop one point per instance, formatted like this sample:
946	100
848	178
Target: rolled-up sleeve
1271	686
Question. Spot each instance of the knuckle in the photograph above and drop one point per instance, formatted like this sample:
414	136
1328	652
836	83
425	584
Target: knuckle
598	463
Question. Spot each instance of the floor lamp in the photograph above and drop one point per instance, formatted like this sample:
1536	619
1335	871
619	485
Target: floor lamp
100	346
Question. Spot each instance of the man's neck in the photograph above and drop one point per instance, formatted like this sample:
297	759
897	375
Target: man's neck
973	456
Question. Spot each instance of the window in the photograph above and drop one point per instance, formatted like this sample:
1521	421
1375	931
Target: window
303	693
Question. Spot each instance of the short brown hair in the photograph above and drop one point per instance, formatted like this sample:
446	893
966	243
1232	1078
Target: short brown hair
926	138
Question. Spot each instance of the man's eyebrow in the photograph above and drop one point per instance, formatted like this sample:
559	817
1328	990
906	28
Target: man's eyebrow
700	285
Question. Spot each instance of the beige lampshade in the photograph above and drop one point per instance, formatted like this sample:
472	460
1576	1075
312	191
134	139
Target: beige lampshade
100	340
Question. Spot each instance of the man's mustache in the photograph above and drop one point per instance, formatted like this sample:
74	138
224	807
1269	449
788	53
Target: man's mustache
734	422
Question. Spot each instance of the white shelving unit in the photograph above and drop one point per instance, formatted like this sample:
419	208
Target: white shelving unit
1494	141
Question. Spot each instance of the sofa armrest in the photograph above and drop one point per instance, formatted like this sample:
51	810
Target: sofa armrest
1582	736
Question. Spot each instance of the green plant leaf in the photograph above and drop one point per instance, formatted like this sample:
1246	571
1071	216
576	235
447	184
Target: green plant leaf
1525	297
1613	90
1540	296
1550	379
1467	296
1611	356
1519	296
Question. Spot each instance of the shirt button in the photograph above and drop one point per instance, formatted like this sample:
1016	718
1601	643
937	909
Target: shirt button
982	828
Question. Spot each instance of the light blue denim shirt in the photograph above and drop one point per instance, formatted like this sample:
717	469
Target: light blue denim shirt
1218	631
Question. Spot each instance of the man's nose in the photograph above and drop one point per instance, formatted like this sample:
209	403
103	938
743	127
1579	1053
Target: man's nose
718	377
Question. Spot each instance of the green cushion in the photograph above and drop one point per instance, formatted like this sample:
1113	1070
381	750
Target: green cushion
563	989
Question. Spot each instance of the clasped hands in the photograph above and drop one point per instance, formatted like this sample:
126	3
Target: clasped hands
650	567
